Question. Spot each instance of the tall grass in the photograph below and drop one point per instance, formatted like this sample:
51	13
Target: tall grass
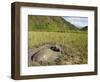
75	40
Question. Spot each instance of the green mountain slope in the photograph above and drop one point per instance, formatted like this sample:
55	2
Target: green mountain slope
84	28
49	23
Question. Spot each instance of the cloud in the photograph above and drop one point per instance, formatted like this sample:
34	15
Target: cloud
77	21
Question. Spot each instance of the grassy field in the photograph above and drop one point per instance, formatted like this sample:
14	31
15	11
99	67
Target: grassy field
77	41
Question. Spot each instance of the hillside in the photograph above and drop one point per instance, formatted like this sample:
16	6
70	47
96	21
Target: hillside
49	23
84	28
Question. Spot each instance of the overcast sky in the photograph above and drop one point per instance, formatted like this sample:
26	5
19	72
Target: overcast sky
77	21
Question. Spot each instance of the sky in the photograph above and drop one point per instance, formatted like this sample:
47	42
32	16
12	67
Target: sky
77	21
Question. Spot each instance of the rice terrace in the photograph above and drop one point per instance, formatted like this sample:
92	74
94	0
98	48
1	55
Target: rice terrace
57	40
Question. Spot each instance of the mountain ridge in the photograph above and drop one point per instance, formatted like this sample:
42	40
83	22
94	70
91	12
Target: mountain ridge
85	28
49	23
